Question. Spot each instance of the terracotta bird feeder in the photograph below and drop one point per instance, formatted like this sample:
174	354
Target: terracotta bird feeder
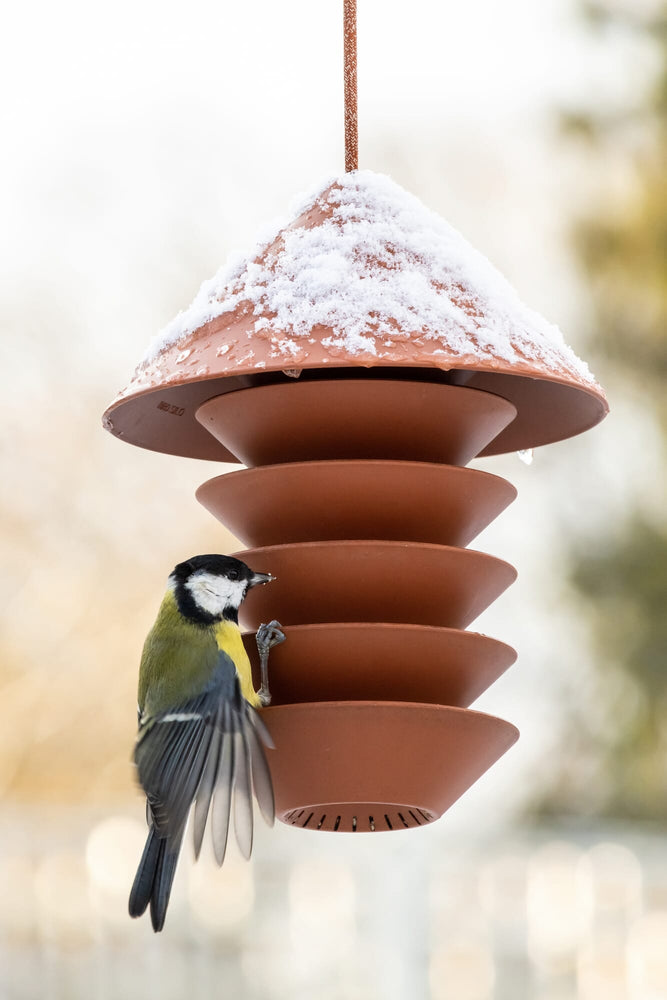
355	363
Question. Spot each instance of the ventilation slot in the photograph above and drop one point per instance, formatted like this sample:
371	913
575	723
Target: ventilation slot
356	817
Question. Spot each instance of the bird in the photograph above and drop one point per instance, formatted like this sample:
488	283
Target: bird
200	738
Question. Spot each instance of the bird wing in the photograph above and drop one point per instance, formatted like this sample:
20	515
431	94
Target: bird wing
208	750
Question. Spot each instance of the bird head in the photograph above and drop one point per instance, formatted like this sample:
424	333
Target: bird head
211	587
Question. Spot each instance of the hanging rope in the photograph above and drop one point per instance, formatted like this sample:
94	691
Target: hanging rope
350	75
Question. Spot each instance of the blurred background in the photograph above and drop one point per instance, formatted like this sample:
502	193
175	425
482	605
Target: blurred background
142	144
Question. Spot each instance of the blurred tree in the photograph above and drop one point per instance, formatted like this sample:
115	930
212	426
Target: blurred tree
618	767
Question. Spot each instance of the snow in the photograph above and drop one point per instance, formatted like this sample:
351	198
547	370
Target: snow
353	343
380	270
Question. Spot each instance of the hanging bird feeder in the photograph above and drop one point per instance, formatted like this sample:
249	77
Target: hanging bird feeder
355	364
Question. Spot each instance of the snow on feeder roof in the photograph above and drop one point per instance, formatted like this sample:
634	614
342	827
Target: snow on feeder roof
364	276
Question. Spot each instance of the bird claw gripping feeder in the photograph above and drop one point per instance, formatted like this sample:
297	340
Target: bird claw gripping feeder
355	364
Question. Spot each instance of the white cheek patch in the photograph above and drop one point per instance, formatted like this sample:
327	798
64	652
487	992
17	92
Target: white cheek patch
215	593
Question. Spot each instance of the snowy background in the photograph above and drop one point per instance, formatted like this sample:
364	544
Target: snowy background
143	143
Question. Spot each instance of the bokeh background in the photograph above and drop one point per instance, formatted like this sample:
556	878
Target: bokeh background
144	142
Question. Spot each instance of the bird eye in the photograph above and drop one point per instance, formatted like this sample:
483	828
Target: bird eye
233	574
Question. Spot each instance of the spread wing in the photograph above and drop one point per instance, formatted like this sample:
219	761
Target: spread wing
209	750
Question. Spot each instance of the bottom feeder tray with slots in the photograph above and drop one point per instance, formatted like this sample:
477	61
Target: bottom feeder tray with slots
359	766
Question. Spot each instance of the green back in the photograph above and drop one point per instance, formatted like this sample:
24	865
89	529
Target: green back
177	661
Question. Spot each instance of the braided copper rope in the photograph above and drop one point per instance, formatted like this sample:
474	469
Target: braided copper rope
350	76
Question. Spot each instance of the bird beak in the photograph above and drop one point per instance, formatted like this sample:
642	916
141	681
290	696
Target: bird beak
257	578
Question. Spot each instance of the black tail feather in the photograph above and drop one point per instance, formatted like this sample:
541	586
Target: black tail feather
164	877
142	888
154	878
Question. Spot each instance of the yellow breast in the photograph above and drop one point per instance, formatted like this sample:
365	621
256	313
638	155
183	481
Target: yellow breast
228	638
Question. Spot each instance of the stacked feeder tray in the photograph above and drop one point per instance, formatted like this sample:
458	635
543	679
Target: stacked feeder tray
355	364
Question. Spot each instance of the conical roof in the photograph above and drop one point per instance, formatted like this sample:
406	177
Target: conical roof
362	276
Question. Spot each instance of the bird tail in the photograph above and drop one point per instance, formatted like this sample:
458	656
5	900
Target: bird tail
154	878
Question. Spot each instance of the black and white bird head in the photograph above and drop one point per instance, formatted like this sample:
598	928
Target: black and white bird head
211	587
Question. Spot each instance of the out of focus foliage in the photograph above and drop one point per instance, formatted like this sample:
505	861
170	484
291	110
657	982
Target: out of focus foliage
619	768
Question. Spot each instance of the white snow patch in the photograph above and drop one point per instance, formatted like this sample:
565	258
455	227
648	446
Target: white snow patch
286	347
381	265
352	342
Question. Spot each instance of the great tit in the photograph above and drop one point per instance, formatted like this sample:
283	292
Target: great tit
200	737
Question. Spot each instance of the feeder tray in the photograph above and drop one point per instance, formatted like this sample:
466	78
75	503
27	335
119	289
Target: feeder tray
372	581
381	662
320	501
377	766
301	421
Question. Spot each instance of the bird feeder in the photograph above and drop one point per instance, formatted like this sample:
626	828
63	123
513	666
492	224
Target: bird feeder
355	364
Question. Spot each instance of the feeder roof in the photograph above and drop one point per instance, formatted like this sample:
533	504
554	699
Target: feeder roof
363	275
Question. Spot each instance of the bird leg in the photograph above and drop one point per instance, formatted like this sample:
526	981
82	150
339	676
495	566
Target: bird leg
267	637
